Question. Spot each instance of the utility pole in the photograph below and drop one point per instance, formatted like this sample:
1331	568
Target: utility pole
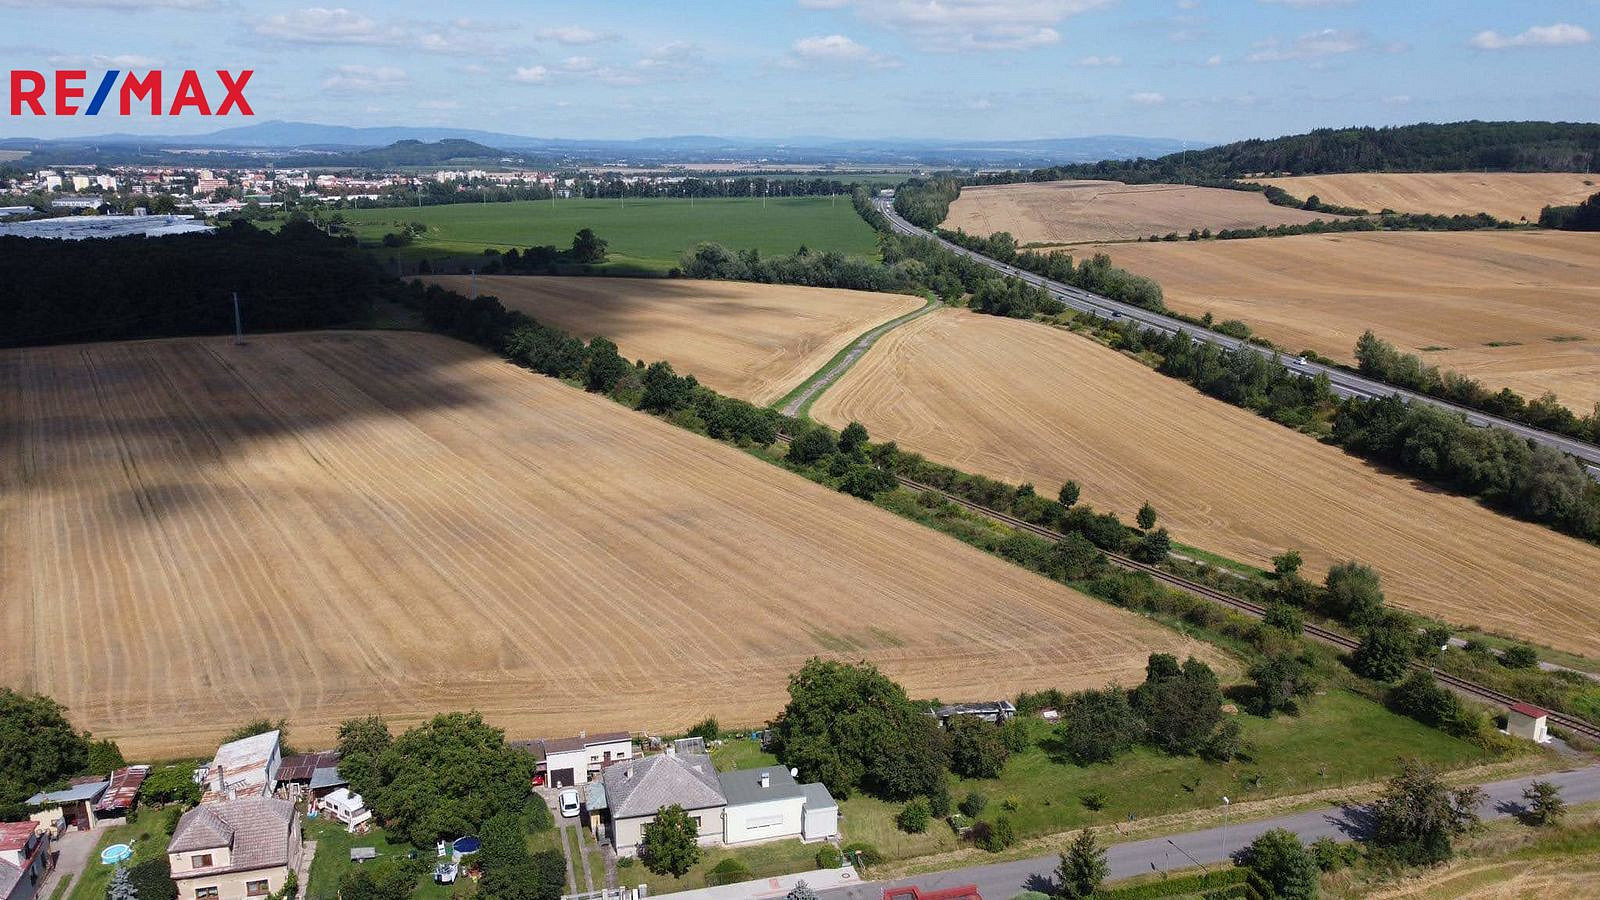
472	293
238	322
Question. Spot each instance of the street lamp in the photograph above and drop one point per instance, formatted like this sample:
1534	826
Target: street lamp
1225	804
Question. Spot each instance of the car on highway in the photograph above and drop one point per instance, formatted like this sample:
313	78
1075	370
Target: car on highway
569	803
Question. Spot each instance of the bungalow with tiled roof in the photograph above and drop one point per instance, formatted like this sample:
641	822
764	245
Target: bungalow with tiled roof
235	849
24	857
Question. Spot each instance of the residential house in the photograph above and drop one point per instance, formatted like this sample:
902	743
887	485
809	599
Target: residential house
638	789
244	768
24	858
577	760
994	711
235	849
740	807
70	807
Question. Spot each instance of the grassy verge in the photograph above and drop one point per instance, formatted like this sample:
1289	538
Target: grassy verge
333	860
763	860
61	889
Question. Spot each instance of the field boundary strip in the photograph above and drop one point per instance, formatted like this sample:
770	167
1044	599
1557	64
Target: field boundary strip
797	403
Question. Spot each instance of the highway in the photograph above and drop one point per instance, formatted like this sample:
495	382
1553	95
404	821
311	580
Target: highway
1345	383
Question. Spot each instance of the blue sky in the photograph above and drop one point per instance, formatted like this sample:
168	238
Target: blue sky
1209	70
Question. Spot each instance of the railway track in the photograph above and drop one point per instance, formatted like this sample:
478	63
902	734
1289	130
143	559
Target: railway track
1318	633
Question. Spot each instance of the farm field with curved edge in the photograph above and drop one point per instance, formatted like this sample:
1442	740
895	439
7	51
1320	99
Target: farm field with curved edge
1070	212
1511	196
751	341
1511	309
1021	401
336	524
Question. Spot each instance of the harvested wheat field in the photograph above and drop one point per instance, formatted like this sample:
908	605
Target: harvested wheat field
1445	296
1512	196
1021	401
751	341
1071	212
333	524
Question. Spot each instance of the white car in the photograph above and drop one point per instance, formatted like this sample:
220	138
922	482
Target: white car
569	803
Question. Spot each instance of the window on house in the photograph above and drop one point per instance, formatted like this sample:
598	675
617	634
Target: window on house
696	820
256	888
205	893
200	861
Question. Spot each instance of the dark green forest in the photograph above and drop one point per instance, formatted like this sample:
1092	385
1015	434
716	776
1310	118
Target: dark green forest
59	292
1426	147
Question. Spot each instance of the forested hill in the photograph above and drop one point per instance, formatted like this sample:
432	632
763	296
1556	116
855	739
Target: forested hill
402	153
1452	147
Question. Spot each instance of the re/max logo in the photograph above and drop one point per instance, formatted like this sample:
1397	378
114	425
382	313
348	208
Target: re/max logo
28	90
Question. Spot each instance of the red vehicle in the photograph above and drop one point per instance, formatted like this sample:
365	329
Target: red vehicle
538	779
965	892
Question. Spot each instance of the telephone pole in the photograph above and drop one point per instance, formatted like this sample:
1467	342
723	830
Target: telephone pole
472	293
238	322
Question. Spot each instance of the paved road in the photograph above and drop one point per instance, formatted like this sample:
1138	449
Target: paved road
862	344
1345	383
1213	845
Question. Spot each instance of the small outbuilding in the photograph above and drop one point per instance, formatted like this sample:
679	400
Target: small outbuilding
69	808
1524	720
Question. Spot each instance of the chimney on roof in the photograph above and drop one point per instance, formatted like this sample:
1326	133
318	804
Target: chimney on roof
766	780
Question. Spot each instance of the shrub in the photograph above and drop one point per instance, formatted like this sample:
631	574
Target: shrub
1279	858
729	871
706	730
1093	800
1519	656
1332	856
973	803
939	803
1002	836
829	857
913	817
1010	803
862	853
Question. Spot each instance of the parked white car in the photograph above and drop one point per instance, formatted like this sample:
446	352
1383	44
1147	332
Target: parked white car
569	803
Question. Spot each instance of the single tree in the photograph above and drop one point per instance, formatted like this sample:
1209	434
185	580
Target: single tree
121	886
977	748
587	248
801	891
1154	547
1098	725
973	804
852	438
1286	563
1352	593
1285	618
671	843
38	746
1280	681
1545	806
1180	708
605	367
1069	494
1417	818
810	445
1285	864
1519	656
105	757
706	730
1146	517
1386	649
1083	868
914	816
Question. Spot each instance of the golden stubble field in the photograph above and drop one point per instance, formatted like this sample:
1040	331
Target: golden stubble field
1021	401
326	525
1070	212
1445	296
752	341
1512	196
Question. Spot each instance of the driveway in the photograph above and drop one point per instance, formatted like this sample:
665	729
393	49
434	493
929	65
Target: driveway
72	853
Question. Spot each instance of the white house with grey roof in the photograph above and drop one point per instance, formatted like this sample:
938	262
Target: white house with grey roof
745	806
235	849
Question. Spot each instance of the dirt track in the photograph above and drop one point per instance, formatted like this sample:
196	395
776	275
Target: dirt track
1023	402
1505	195
752	341
1444	296
327	525
1067	212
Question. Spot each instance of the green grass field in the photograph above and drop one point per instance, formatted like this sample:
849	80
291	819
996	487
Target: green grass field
647	235
1289	755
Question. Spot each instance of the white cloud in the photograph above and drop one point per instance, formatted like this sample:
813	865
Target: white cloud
531	75
101	61
320	25
1095	62
1315	45
365	79
1397	99
573	35
962	25
1560	34
1214	59
1306	4
1147	98
677	61
836	51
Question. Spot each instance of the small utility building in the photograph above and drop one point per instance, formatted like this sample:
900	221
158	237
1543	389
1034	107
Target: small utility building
1525	720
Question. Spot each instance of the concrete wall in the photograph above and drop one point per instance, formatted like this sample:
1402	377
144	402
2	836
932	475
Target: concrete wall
766	821
821	824
627	834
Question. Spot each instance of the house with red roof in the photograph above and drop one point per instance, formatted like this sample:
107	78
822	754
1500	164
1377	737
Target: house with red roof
24	858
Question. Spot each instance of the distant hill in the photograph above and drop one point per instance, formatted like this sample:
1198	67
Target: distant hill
403	153
1427	147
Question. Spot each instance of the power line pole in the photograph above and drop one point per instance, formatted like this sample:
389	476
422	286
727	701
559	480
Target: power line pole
238	322
472	293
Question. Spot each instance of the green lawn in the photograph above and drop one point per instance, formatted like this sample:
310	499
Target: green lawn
764	860
148	837
647	235
333	860
1340	739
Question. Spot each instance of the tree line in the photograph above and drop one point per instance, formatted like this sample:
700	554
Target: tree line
926	202
134	287
1584	216
1377	358
1095	274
